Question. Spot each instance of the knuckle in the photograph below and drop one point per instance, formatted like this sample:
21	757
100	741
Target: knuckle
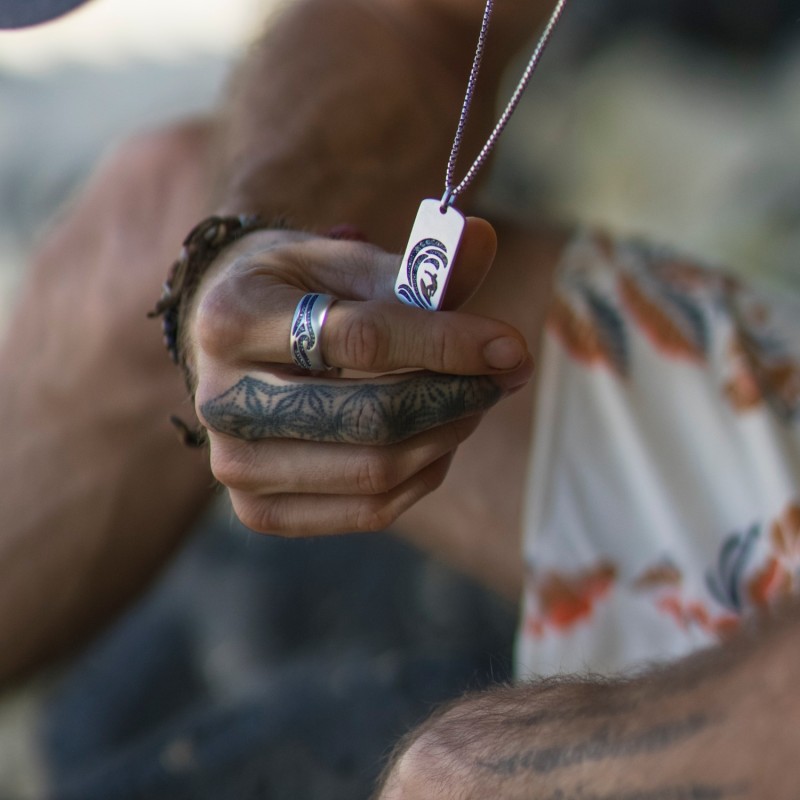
247	511
235	464
373	423
364	342
259	514
372	516
439	347
433	477
373	473
223	467
430	759
217	329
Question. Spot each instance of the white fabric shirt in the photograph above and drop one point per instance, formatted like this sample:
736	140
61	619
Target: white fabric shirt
664	490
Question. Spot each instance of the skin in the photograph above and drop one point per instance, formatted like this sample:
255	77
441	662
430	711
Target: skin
99	496
669	734
96	494
287	484
375	335
713	726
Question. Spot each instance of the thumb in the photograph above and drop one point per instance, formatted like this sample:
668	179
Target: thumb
473	261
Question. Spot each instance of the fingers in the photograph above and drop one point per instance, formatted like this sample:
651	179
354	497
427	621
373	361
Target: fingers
304	453
246	318
303	467
350	269
376	337
376	411
381	337
310	515
475	258
302	488
299	488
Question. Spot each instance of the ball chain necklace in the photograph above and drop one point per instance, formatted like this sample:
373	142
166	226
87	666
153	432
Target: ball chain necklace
436	233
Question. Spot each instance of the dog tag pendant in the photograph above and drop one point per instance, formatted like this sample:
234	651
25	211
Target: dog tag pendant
430	253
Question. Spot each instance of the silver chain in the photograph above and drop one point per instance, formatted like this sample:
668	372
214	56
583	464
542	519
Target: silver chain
450	191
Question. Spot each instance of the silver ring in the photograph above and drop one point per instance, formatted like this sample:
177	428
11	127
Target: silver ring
309	317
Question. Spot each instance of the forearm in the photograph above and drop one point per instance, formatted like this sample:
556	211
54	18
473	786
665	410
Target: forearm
717	725
345	111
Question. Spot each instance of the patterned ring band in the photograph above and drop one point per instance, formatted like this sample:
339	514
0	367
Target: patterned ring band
309	317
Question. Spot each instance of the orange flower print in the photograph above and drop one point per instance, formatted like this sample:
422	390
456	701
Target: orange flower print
591	331
664	582
564	600
784	536
670	320
763	370
688	276
688	614
663	574
742	389
770	585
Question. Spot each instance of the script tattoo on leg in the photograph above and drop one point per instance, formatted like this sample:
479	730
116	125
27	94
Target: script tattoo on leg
601	745
347	411
695	791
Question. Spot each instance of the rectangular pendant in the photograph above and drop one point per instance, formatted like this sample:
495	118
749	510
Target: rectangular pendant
429	257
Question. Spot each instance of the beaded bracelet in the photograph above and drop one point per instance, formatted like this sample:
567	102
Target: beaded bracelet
200	248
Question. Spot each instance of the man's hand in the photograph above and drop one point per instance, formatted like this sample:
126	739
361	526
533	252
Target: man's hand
334	136
305	453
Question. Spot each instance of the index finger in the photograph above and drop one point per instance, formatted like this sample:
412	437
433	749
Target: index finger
246	318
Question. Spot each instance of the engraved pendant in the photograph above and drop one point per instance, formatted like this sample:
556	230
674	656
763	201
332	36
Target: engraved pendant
430	253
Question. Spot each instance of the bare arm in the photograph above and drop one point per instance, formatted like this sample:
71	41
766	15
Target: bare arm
717	725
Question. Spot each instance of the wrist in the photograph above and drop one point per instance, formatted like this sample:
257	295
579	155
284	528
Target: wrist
201	248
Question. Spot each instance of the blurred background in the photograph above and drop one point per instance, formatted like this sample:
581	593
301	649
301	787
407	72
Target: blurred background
73	87
668	118
678	120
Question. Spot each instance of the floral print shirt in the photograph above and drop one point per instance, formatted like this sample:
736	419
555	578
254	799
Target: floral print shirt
664	490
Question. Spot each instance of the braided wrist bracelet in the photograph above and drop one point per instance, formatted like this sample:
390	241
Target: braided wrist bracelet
200	248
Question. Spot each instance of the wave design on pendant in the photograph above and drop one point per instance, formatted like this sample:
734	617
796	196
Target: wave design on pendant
424	262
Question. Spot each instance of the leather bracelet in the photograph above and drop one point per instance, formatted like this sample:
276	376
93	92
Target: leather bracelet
200	248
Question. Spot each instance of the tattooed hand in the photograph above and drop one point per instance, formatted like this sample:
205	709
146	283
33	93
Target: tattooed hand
308	453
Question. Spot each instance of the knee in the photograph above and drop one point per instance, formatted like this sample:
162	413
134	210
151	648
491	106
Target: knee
175	146
161	168
124	228
140	200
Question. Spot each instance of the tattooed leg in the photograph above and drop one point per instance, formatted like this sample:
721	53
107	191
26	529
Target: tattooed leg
712	727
